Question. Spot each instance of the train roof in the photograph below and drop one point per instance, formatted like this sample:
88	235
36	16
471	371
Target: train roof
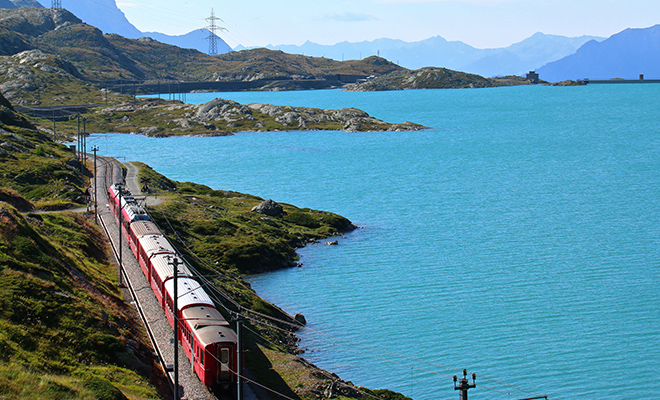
155	244
144	228
190	293
215	334
209	325
165	271
199	317
135	212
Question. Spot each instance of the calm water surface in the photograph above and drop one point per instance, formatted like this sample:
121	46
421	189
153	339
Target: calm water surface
519	238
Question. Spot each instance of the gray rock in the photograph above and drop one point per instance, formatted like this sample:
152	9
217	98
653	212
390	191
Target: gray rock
300	319
268	207
221	109
288	118
149	130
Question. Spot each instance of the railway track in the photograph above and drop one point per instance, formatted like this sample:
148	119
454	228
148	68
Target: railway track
153	318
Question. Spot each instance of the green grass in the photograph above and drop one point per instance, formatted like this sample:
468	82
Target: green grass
91	383
60	309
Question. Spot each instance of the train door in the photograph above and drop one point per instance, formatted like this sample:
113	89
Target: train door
224	365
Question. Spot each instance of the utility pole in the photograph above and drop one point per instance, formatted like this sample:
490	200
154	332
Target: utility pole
120	189
96	207
463	385
56	4
239	358
78	144
213	38
174	262
83	154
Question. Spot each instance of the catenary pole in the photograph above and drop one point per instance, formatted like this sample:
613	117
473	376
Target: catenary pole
464	385
174	262
96	206
239	358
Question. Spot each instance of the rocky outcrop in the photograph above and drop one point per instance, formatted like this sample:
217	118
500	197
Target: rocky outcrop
8	116
29	70
268	207
426	78
220	117
346	119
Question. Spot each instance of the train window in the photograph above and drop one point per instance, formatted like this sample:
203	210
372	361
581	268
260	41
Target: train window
201	357
224	356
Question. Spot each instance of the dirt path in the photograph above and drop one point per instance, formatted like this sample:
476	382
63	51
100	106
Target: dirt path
134	185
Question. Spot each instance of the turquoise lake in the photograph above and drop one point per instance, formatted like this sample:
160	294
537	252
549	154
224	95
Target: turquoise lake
518	238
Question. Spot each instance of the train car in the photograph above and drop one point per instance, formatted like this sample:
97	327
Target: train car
130	210
210	344
139	229
190	294
161	272
149	246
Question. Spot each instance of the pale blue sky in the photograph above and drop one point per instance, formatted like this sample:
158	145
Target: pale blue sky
480	23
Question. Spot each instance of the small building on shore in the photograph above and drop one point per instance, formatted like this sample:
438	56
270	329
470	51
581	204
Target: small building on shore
533	77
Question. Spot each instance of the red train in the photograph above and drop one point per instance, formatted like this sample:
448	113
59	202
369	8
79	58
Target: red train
204	333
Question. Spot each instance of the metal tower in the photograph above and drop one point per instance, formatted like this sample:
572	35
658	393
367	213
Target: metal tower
213	38
56	4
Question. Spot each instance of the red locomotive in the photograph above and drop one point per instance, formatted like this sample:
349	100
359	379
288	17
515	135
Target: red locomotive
204	333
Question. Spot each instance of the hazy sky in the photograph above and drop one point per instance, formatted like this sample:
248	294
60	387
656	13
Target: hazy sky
480	23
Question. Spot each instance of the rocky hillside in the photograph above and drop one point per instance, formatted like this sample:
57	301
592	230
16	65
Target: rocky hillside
99	57
433	78
34	78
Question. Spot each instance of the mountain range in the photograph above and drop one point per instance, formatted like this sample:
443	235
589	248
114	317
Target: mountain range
517	59
556	58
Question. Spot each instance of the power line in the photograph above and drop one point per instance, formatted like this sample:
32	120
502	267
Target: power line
213	38
56	4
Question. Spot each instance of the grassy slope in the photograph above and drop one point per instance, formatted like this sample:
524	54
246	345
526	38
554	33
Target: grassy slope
64	329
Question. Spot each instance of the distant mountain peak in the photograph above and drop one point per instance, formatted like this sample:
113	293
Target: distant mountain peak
625	55
529	54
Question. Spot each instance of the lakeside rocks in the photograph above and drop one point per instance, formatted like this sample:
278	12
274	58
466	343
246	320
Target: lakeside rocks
221	117
432	78
296	118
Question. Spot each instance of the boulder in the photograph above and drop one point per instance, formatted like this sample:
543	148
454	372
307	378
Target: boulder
268	207
300	319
